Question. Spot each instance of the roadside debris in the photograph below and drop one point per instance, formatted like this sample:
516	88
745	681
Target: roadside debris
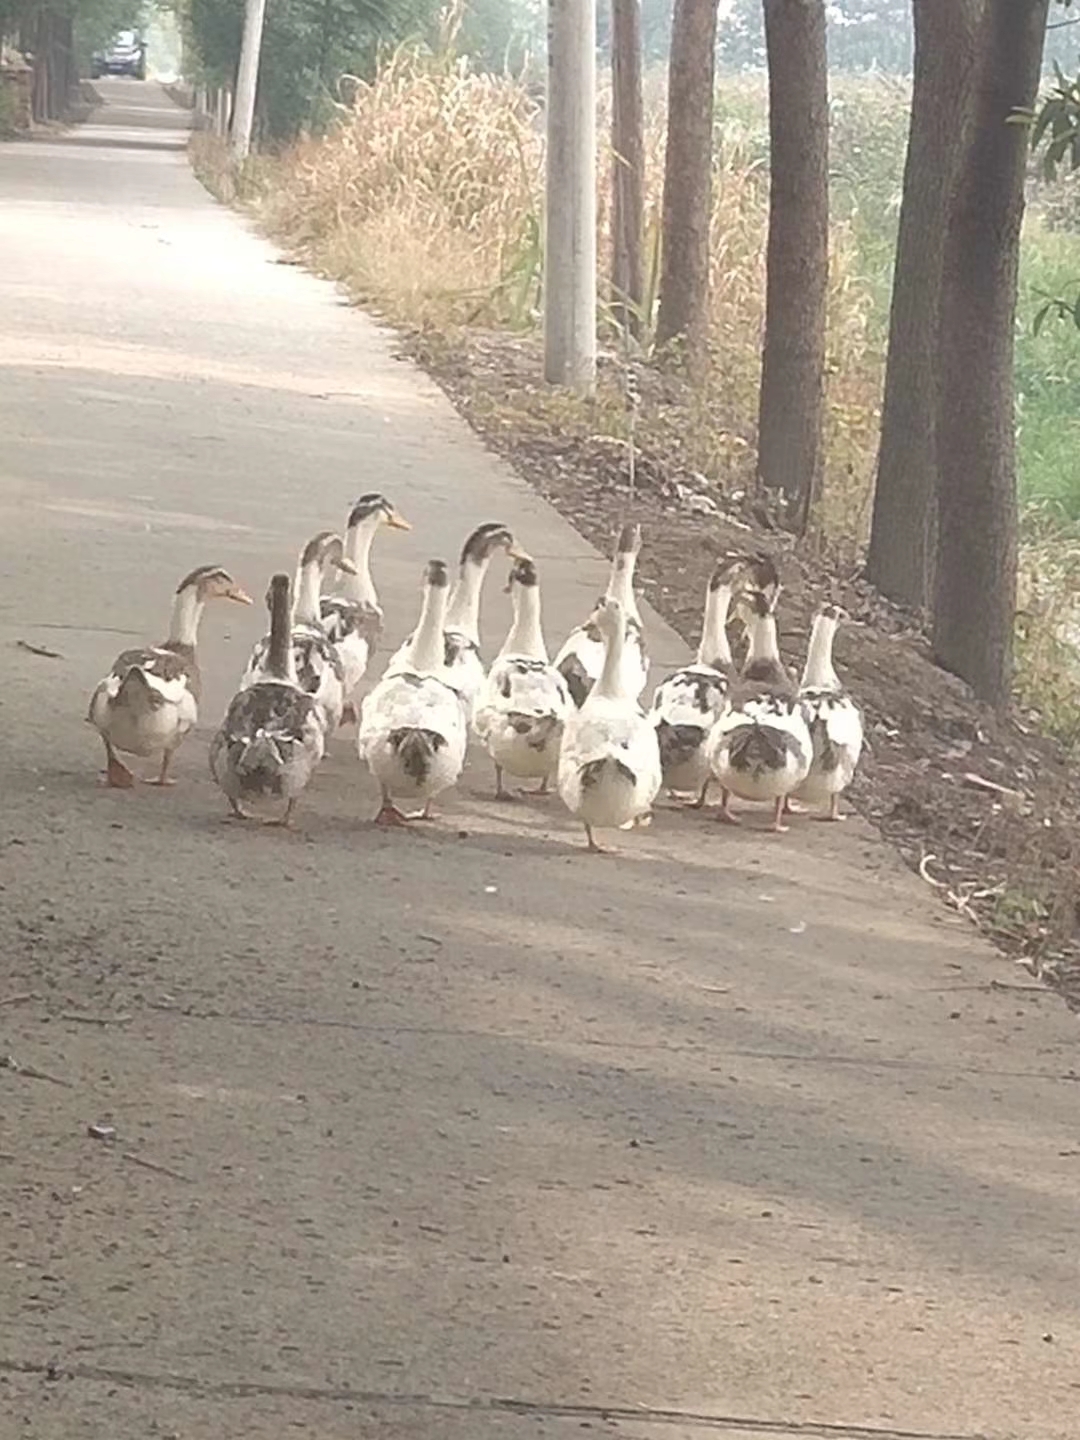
8	1062
42	650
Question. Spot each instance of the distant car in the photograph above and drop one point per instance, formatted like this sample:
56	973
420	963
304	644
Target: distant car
125	56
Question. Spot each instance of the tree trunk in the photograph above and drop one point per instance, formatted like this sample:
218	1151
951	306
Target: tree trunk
52	65
40	103
792	400
68	67
628	173
687	205
905	499
975	571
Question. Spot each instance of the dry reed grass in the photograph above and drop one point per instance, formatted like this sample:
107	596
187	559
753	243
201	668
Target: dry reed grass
425	194
426	198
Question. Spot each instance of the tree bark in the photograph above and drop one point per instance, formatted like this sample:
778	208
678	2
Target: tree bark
628	162
905	499
792	401
68	67
687	203
975	574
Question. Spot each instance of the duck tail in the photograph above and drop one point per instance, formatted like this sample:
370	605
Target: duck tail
538	730
678	742
416	747
593	771
137	691
258	758
756	744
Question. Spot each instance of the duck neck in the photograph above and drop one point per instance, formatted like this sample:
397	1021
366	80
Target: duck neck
610	684
714	648
308	584
427	645
186	613
526	636
463	611
762	646
280	664
818	673
360	587
621	583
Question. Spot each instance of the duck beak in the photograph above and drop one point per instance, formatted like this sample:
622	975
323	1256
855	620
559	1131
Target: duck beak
346	565
517	553
240	596
397	522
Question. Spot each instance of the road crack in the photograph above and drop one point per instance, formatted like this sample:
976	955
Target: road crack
475	1405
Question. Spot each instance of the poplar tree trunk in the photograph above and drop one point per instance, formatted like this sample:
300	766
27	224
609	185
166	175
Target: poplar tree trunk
792	401
687	205
905	494
975	573
628	162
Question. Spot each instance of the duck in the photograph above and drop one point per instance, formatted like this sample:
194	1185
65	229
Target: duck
413	725
353	618
836	726
760	747
581	658
461	635
688	703
318	666
609	761
149	701
273	735
524	702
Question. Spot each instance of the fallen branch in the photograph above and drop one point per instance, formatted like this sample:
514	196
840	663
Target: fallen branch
977	782
76	1019
155	1168
8	1062
42	650
18	999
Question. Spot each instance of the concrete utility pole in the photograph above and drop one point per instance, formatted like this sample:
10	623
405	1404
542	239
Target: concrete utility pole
570	245
247	78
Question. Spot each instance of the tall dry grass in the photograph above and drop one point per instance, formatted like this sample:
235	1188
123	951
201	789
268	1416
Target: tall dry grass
426	197
425	194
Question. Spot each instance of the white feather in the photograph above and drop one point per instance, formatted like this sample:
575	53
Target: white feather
836	731
781	725
836	726
609	763
520	689
407	701
581	657
692	699
127	717
581	650
613	736
413	728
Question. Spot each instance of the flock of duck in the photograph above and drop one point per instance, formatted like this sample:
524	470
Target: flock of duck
577	721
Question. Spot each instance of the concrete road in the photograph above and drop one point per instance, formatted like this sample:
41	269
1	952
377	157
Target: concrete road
460	1134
